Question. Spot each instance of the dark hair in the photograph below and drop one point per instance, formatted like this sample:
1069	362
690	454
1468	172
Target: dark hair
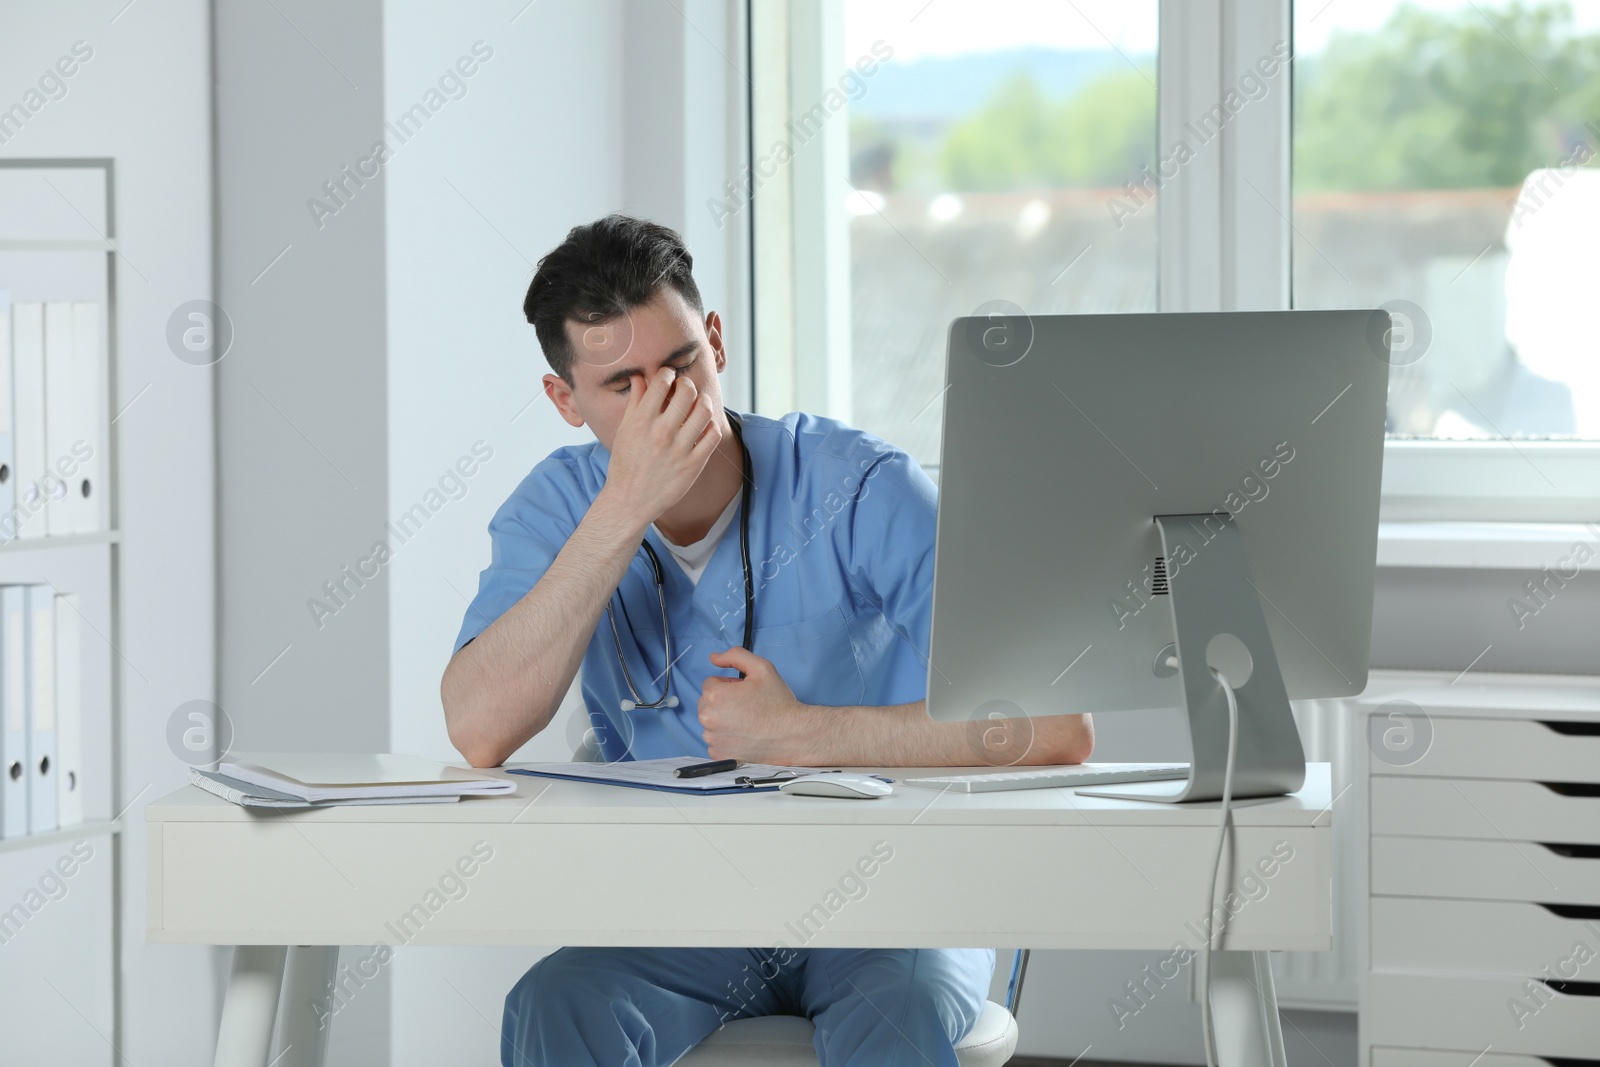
604	269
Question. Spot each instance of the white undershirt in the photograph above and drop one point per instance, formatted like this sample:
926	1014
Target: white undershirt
693	558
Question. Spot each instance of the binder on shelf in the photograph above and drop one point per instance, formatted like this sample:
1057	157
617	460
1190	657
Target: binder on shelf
8	457
41	630
57	362
88	444
27	399
13	711
72	409
69	711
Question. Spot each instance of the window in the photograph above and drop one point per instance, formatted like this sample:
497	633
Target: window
978	163
1439	160
1444	168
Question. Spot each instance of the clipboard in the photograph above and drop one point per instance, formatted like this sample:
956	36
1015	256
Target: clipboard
656	774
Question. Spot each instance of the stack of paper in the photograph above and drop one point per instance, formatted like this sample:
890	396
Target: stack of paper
259	796
311	779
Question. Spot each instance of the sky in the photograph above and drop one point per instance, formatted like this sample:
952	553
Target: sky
947	27
915	28
1315	20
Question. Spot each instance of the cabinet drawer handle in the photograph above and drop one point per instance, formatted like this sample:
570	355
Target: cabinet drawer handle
1574	789
1587	912
1574	852
1574	989
1574	729
1569	1061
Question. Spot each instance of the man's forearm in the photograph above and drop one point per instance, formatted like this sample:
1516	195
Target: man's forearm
903	735
505	685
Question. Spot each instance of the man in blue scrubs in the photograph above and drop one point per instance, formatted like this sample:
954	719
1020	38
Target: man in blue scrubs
841	537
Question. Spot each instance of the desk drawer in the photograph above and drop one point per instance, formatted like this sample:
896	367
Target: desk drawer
1520	811
1484	870
1505	1014
1500	748
1486	937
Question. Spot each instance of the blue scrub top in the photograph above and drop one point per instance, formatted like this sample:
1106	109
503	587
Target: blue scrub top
841	554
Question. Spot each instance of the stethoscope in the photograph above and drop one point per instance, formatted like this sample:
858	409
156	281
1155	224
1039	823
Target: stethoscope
667	700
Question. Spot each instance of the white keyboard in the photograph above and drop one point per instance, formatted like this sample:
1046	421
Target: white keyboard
1084	774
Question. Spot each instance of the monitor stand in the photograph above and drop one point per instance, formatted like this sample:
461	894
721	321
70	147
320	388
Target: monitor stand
1212	595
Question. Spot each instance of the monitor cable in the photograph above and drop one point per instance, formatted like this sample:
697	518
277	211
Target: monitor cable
1212	928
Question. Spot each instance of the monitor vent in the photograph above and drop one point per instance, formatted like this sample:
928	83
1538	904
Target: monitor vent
1158	577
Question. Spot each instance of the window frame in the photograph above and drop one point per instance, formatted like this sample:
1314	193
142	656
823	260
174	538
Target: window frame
1226	243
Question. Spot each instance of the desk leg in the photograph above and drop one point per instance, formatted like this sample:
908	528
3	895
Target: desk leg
305	1018
1244	1006
251	1006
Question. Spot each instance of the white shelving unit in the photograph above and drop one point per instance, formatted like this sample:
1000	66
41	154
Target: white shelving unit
58	955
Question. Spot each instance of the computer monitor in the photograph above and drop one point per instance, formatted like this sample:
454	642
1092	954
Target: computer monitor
1126	501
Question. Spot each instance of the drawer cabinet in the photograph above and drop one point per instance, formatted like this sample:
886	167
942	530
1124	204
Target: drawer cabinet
1483	883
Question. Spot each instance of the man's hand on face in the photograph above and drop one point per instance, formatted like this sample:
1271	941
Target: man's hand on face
755	718
666	436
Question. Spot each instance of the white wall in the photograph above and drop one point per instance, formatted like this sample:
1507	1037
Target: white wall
389	341
548	135
144	100
302	445
492	182
302	440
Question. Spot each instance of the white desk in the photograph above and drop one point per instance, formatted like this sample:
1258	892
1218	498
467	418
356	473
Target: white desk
576	864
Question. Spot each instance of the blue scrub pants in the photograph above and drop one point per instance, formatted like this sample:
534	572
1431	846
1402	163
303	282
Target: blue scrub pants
645	1007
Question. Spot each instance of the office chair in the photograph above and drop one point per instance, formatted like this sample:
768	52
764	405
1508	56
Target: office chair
785	1040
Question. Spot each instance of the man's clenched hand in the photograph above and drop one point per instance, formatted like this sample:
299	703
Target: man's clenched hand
755	718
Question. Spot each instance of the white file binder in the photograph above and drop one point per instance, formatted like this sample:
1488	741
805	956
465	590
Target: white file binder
41	708
88	446
27	399
13	710
72	402
8	455
57	404
69	711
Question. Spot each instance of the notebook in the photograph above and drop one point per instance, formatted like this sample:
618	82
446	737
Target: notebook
259	796
324	776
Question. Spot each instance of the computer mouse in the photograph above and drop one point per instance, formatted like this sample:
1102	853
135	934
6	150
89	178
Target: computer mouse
847	786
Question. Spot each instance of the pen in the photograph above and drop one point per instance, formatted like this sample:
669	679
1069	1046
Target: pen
698	770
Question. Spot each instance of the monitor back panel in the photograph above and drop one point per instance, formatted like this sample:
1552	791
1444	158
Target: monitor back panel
1064	435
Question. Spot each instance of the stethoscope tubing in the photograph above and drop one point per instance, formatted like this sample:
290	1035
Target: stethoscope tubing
667	699
627	675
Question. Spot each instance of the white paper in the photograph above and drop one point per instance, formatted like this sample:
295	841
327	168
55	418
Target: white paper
320	776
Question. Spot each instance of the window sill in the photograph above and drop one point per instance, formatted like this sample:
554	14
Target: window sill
1494	545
